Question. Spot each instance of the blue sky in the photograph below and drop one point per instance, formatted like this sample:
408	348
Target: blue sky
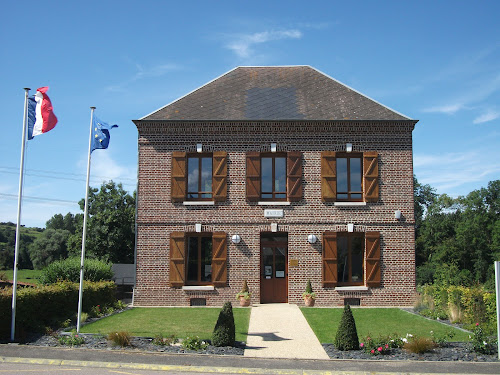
438	62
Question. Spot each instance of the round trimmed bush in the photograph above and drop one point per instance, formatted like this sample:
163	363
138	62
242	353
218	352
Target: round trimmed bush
69	270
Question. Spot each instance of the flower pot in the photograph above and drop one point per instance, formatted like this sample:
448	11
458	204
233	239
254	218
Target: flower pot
244	302
309	301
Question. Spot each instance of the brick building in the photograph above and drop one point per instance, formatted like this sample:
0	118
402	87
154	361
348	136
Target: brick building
277	176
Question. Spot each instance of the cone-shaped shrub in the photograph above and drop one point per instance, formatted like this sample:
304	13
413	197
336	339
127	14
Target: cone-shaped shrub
347	335
309	288
224	331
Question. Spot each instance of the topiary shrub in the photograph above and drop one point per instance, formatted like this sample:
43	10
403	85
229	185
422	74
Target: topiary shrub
224	331
347	335
69	270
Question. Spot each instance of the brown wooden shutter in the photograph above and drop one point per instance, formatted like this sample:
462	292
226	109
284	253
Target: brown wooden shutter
177	259
329	259
294	175
372	244
253	176
219	176
219	258
370	176
179	176
328	176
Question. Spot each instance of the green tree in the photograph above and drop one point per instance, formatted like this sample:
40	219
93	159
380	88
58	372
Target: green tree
110	227
49	247
67	222
7	246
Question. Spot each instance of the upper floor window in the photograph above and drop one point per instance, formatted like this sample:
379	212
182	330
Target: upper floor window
349	167
199	176
273	177
349	177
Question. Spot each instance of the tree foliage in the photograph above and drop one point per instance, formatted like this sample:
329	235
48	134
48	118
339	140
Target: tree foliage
458	239
110	227
49	247
347	334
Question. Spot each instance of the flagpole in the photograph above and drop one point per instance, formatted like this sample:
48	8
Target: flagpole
18	226
84	236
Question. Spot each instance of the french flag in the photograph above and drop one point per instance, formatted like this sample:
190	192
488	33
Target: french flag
41	117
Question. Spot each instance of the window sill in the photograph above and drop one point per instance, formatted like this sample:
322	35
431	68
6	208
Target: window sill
277	203
203	288
347	204
351	288
198	203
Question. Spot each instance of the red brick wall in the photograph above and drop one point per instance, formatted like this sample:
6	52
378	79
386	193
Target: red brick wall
158	216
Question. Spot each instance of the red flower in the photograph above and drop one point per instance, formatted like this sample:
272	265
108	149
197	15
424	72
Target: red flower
373	351
379	349
361	345
477	324
387	346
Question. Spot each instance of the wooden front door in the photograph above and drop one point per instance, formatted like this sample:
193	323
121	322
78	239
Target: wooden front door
274	268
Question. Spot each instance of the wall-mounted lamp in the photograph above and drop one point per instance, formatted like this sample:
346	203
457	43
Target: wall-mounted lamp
348	147
274	227
236	238
397	215
350	228
199	147
273	147
197	228
312	238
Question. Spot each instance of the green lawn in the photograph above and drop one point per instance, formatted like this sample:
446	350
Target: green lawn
178	321
25	276
375	322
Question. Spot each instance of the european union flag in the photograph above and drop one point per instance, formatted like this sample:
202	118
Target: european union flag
100	134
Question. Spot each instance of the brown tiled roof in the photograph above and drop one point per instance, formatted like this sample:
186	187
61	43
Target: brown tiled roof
275	93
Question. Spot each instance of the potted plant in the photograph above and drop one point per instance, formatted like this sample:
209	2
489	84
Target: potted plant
309	296
244	295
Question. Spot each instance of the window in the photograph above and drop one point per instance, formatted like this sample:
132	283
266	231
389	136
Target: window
349	168
349	177
350	248
198	259
274	176
351	259
199	177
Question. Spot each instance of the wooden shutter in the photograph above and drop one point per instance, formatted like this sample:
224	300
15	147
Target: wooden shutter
177	259
329	259
253	176
179	176
370	176
219	258
372	245
328	176
219	176
294	175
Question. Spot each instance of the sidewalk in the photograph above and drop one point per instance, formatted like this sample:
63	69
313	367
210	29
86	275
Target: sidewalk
281	331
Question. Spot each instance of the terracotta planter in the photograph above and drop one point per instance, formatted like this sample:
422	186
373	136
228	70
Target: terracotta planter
244	302
309	301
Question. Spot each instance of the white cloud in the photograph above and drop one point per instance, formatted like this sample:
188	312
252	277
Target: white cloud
243	43
144	72
449	109
490	115
105	168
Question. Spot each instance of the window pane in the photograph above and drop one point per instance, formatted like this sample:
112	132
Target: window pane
193	173
192	259
357	259
342	175
356	196
280	196
355	167
267	262
267	175
342	265
206	175
342	196
206	259
280	175
279	261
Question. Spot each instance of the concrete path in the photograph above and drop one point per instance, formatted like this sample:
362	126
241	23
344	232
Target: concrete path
281	331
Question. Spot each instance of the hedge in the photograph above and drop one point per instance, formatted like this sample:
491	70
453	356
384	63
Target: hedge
50	305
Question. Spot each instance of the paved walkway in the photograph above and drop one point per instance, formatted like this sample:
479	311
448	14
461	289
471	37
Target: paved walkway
281	331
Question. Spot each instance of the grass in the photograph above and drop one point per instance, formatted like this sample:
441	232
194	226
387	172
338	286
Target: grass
178	321
376	322
25	276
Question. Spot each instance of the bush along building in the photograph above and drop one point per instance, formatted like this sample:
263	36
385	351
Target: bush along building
276	176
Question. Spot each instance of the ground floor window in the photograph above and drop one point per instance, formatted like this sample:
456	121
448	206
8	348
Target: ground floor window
199	259
350	247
